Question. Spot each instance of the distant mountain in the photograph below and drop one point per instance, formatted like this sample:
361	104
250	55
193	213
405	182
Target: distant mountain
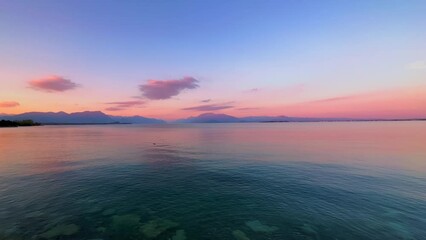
223	118
88	117
97	117
136	119
210	118
265	119
289	119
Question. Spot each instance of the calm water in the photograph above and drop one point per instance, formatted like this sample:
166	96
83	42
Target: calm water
214	181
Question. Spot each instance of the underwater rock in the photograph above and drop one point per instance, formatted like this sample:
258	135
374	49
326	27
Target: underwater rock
391	213
156	227
257	226
240	235
125	226
146	210
61	230
400	231
55	220
94	209
108	212
310	230
13	237
9	231
180	235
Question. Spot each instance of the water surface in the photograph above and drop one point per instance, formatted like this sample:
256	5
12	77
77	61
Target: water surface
352	180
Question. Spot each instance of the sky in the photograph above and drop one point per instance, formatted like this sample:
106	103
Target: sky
175	59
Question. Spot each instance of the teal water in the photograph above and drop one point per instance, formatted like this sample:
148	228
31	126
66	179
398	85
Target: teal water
281	181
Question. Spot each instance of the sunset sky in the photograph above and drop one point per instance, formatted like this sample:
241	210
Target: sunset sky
174	59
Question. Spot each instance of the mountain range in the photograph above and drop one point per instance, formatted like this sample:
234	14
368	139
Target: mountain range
88	117
224	118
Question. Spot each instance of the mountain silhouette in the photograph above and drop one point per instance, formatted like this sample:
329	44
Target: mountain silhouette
87	117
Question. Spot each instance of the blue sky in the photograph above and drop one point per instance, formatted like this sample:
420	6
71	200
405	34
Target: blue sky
331	48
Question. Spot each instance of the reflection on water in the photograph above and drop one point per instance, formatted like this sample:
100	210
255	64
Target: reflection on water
214	181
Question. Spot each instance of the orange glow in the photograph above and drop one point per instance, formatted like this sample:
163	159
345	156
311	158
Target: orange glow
397	103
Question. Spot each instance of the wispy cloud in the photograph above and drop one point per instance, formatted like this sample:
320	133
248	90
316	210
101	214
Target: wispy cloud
417	65
253	90
209	107
247	108
165	89
113	109
349	97
52	84
9	104
127	103
118	106
335	99
206	100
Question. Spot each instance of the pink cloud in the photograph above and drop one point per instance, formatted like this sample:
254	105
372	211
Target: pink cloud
9	104
209	107
113	109
52	84
118	106
206	100
165	89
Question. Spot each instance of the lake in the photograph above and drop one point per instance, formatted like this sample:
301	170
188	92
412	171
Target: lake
327	180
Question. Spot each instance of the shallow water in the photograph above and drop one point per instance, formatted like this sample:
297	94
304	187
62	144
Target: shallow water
353	180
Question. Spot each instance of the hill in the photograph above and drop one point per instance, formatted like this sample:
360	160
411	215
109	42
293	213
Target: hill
87	117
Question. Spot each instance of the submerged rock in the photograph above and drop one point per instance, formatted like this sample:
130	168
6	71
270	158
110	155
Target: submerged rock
61	230
10	230
180	235
310	230
94	209
108	212
101	229
240	235
156	227
12	237
392	213
55	220
124	226
400	231
10	233
257	226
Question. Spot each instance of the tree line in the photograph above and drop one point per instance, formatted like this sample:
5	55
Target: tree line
22	123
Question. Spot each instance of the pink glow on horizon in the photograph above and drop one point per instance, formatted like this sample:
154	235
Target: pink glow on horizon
397	103
403	103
